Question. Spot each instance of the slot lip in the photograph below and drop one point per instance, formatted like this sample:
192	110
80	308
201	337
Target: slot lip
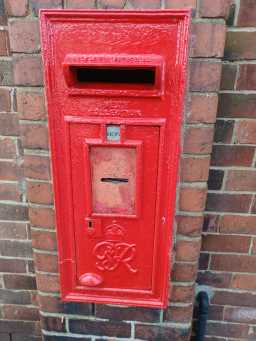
122	61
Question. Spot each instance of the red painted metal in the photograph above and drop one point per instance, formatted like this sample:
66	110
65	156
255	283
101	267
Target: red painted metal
114	83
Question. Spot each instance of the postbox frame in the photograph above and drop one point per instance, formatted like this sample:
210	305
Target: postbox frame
65	235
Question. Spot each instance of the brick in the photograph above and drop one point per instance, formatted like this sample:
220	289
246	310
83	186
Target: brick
180	3
247	13
215	179
16	212
179	314
240	315
7	148
44	240
37	167
8	170
205	76
76	308
6	73
244	282
227	330
39	192
218	9
189	225
111	3
47	283
238	224
192	199
15	297
22	337
214	279
9	191
161	333
9	124
215	312
16	9
211	223
27	70
232	155
184	272
55	324
12	230
234	299
194	169
34	136
124	314
41	216
240	45
46	263
225	243
17	312
4	43
203	108
14	281
247	77
12	265
145	4
181	293
223	131
23	327
50	304
228	76
198	140
237	105
222	202
80	4
54	304
117	329
15	248
187	251
244	180
209	40
233	263
204	261
24	35
31	105
35	5
246	132
5	99
3	17
4	337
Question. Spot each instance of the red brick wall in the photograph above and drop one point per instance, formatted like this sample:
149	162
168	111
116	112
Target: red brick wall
26	203
19	314
228	255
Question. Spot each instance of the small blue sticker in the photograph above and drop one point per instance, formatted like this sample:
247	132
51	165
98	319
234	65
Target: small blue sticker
113	133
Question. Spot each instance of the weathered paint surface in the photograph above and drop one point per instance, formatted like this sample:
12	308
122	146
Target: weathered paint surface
115	194
113	179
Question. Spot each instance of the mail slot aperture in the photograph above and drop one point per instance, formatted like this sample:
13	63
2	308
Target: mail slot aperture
132	75
114	75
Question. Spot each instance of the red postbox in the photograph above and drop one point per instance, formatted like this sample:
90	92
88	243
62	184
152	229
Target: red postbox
114	83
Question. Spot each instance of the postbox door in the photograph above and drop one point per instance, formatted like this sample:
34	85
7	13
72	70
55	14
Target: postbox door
114	171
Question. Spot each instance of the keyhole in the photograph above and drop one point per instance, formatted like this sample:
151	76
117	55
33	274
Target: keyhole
90	224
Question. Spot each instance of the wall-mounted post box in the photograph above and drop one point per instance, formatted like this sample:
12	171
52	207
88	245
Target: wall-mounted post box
114	82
